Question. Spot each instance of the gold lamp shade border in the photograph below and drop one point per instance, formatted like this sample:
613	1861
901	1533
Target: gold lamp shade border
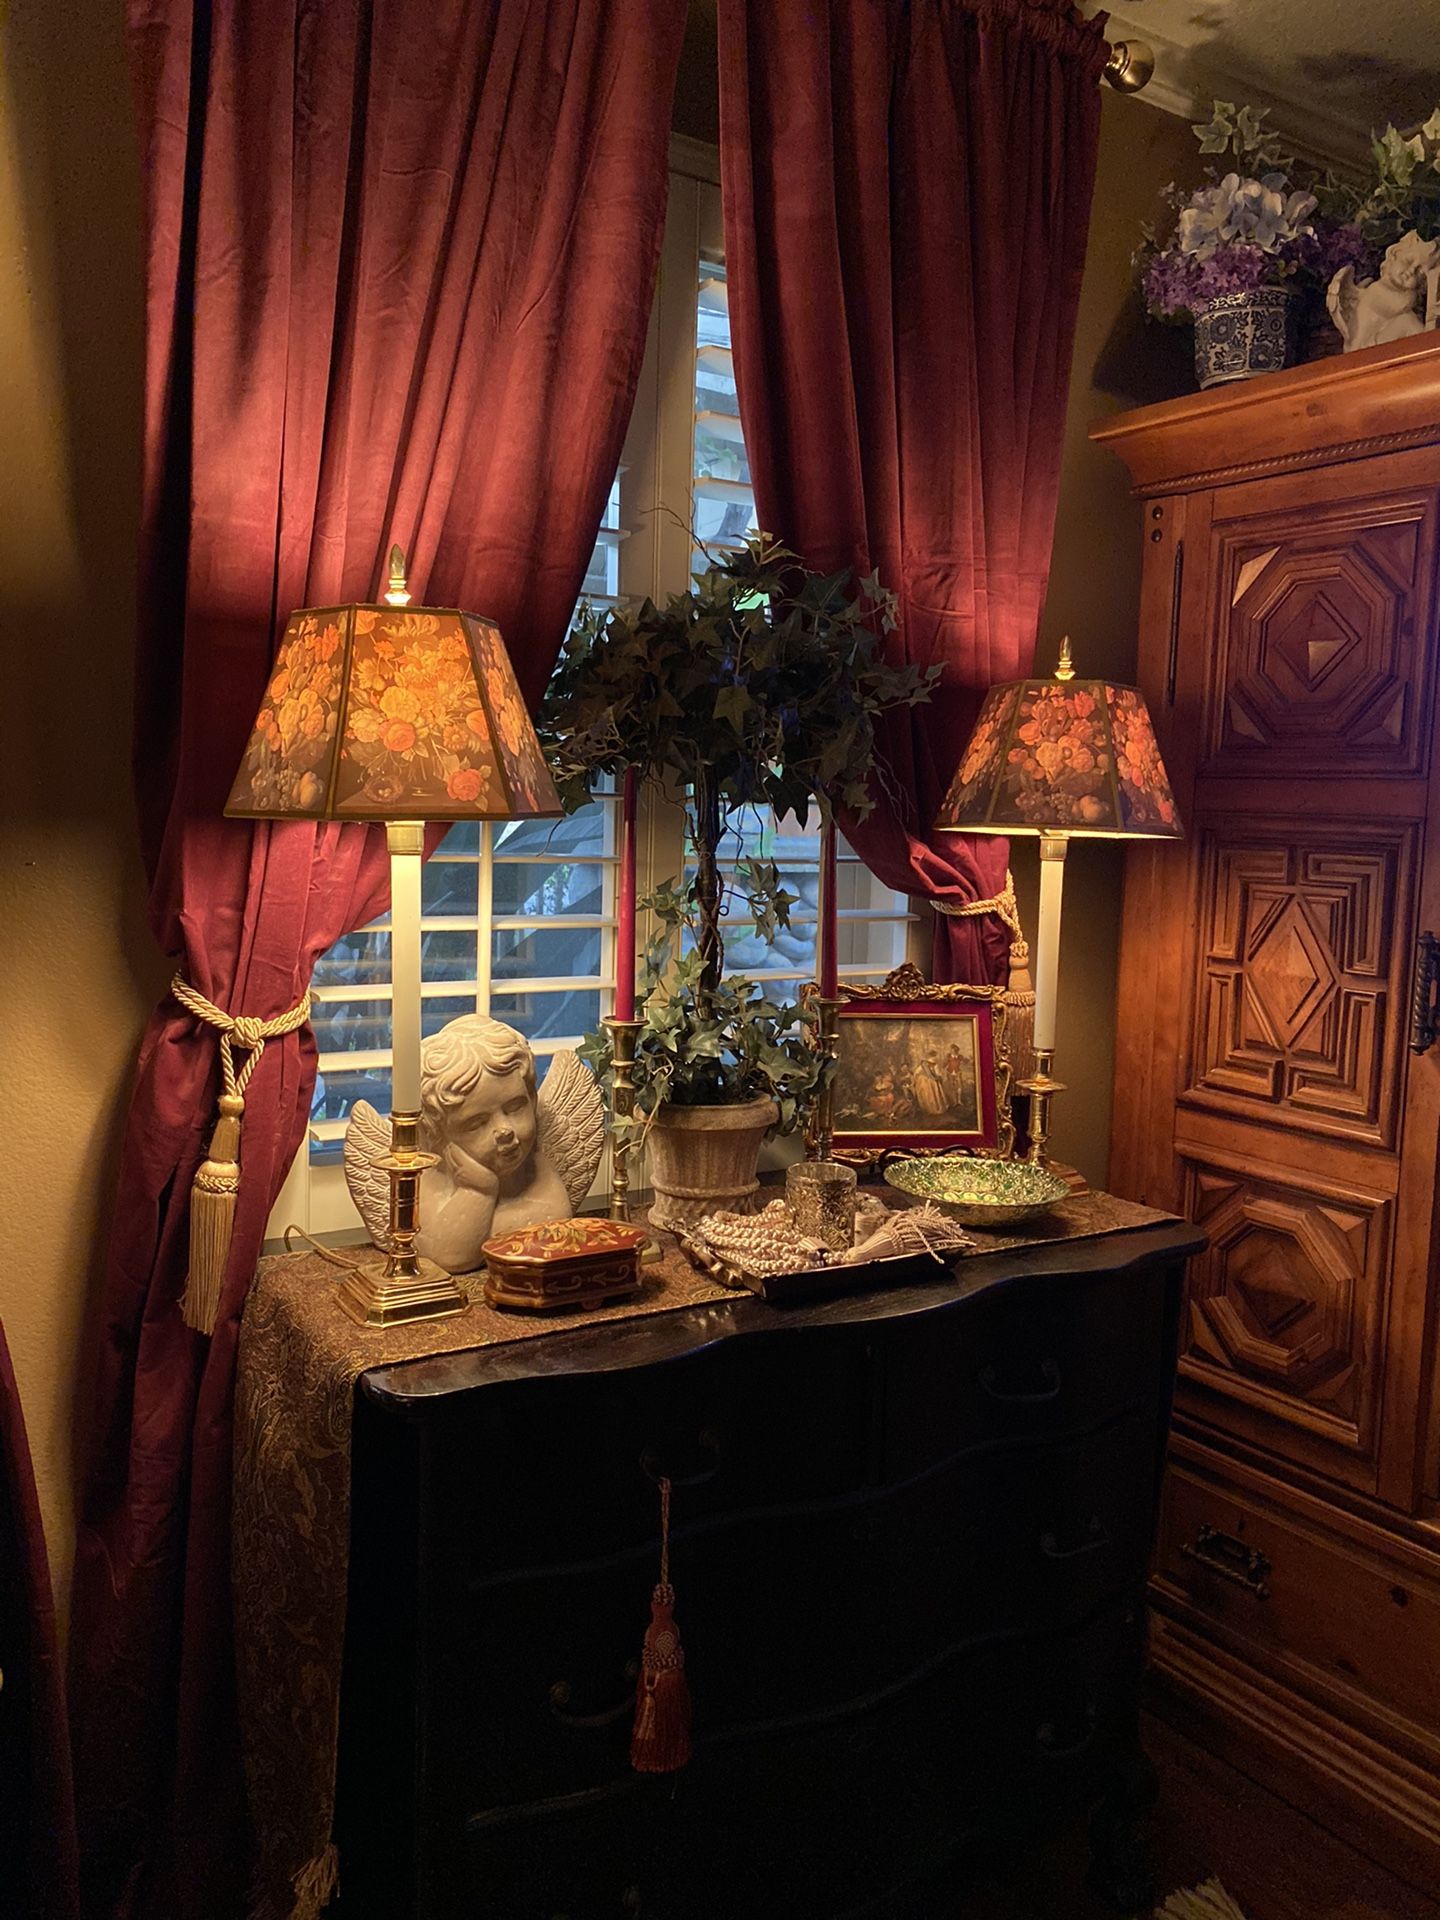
383	712
1063	756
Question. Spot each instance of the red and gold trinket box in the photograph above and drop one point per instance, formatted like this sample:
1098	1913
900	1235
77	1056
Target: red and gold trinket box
565	1263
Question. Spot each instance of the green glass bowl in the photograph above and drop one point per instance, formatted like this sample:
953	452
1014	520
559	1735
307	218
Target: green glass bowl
980	1193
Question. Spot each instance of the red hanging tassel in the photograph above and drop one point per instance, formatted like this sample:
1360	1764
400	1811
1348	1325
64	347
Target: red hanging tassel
660	1742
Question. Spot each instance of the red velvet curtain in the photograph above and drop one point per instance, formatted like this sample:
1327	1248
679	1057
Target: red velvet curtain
400	256
907	193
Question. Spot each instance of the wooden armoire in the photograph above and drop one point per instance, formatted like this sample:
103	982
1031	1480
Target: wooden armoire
1270	1078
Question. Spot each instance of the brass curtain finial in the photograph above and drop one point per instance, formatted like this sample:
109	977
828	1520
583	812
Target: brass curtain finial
1066	668
397	594
1131	66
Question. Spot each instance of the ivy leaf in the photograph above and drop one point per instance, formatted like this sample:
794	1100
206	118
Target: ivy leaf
732	703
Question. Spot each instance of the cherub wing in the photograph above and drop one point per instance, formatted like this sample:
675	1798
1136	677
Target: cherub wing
570	1123
367	1140
1342	297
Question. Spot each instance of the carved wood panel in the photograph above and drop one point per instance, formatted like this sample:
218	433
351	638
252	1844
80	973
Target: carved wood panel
1285	1309
1320	619
1300	1015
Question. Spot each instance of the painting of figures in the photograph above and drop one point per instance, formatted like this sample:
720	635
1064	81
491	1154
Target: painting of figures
917	1074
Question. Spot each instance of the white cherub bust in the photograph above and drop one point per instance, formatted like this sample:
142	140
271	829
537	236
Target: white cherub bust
507	1157
1384	309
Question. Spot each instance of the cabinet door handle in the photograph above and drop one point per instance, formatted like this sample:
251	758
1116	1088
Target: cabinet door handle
1095	1536
562	1693
653	1466
1172	662
1047	1737
1424	1012
1049	1373
1222	1553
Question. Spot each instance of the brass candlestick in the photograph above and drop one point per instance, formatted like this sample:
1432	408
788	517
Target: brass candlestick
623	1035
407	1287
828	1026
1041	1087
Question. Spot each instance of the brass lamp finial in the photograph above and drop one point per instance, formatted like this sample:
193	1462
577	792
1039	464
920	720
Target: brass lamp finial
397	594
1066	668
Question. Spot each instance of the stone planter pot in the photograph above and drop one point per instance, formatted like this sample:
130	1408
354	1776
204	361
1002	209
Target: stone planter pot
705	1160
1242	334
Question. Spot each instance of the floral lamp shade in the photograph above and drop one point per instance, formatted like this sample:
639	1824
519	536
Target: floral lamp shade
390	712
1063	756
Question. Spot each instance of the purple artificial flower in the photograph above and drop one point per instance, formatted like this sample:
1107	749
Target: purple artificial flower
1319	255
1178	285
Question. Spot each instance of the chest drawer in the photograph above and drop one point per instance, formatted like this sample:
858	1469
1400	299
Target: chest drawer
1046	1356
998	1543
551	1472
736	1835
1292	1596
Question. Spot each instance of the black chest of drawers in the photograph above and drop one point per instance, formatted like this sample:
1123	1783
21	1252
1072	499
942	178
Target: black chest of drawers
911	1532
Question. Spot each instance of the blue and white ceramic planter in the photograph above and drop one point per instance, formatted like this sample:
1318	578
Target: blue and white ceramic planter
1241	334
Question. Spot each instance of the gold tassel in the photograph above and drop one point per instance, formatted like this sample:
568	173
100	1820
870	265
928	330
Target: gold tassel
660	1742
316	1885
1019	999
1210	1902
212	1218
216	1185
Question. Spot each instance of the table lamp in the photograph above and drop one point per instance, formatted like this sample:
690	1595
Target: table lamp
402	714
1059	758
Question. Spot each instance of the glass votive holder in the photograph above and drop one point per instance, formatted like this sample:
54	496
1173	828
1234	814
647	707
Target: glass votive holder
821	1197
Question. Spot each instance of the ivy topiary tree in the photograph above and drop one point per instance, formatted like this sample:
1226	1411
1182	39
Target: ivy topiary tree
759	686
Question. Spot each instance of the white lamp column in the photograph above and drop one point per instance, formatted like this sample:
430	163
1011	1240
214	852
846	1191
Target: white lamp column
1041	1085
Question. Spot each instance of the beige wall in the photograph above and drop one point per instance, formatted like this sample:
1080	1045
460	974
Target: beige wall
1120	361
77	968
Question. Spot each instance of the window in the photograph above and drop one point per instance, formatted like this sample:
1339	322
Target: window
518	919
874	923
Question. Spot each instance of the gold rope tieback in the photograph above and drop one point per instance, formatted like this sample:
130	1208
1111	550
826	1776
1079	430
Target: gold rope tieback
216	1185
1002	905
1020	990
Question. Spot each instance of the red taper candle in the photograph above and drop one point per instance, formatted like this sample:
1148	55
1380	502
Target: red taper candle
625	910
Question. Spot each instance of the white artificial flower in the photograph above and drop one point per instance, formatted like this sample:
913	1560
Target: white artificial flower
1252	211
1206	223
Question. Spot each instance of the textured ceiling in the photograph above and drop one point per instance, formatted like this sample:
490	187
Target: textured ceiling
1333	69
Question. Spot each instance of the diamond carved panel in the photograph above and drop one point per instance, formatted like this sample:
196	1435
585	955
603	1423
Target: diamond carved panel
1320	663
1285	1308
1300	1008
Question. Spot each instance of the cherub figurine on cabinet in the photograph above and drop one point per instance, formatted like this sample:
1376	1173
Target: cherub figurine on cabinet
508	1157
1385	309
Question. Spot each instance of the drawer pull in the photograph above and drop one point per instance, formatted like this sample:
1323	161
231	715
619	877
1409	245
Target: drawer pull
1047	1737
562	1693
1424	1012
1095	1536
1049	1373
652	1463
1222	1553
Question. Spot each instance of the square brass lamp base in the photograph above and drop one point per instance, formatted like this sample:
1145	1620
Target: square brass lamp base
383	1299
